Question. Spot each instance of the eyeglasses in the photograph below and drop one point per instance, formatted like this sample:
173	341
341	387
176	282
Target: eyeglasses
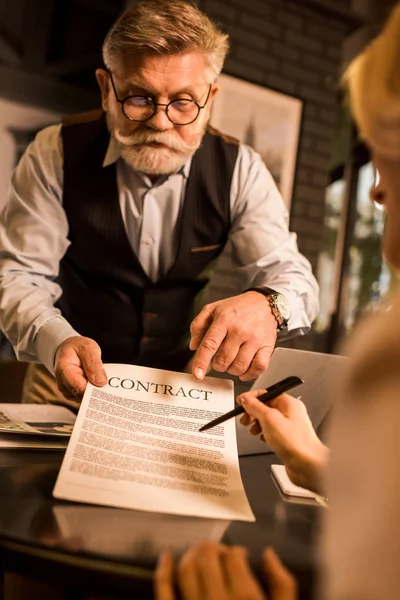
181	111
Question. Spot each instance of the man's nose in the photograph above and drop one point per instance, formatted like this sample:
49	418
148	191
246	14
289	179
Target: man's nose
160	120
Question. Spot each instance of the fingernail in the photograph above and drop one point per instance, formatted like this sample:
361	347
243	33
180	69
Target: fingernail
100	378
243	400
199	373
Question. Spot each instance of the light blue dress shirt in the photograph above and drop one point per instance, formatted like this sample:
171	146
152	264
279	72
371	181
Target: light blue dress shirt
34	238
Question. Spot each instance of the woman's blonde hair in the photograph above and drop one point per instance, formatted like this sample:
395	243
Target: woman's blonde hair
373	81
166	27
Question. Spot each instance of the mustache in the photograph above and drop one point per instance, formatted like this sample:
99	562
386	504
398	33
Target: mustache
140	138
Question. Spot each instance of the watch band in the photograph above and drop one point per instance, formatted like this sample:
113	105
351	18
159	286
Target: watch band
271	296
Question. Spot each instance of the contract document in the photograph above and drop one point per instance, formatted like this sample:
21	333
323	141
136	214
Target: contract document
135	444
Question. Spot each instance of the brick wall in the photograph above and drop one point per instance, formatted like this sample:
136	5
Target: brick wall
293	48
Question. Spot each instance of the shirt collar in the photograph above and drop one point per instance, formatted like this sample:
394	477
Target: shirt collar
113	154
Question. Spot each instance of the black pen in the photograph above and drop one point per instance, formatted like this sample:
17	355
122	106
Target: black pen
273	392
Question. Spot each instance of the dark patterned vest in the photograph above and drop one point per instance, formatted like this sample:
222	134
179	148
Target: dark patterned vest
107	296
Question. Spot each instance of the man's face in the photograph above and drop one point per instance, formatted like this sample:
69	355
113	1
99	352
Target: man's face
157	146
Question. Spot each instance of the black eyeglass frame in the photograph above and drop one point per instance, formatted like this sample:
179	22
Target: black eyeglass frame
155	104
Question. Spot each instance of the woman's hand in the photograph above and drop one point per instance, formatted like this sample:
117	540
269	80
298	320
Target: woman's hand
286	427
213	571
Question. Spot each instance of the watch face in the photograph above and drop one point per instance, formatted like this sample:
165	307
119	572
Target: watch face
283	307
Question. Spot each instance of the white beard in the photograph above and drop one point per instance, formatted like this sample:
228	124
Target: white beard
153	161
148	159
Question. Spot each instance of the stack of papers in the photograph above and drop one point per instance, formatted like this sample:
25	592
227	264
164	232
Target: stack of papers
41	426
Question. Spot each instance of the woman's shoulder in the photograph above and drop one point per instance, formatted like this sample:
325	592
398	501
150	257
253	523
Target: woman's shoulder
374	347
380	329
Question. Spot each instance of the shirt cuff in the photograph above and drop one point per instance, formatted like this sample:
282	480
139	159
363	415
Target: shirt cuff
50	335
299	323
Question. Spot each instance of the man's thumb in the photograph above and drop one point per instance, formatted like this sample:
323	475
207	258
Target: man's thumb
90	355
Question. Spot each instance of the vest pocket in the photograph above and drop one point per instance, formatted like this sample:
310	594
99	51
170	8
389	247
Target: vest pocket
199	254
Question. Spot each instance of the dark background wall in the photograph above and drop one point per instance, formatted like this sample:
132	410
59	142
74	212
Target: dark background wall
293	47
50	48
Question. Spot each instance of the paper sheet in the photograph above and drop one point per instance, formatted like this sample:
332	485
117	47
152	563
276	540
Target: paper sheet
16	441
41	419
136	445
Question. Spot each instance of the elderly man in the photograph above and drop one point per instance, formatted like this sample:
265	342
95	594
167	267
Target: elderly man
116	218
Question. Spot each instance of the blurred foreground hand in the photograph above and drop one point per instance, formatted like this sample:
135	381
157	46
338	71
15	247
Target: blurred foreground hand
212	571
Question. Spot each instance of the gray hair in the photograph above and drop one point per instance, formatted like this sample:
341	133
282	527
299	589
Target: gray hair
166	27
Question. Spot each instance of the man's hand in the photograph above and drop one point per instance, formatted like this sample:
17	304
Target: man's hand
212	571
77	361
286	427
237	334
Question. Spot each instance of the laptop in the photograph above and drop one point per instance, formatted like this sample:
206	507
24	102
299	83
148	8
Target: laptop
317	370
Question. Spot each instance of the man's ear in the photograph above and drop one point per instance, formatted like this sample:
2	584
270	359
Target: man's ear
214	90
103	79
213	93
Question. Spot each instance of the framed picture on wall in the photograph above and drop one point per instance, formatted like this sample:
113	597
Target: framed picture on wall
267	120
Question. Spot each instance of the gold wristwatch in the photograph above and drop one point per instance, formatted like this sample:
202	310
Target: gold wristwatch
280	307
